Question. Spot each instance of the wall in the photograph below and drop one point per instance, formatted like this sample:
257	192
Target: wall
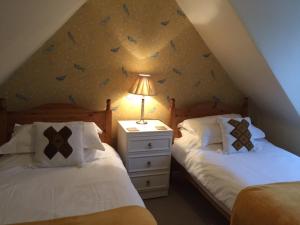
280	131
274	26
26	25
224	33
100	50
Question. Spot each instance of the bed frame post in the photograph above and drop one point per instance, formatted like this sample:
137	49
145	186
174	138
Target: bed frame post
172	112
108	121
3	121
172	119
245	110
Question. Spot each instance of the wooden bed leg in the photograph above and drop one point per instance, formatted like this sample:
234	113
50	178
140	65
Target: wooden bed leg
108	120
3	121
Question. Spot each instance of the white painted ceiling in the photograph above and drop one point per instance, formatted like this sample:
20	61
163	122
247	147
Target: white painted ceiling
274	27
26	25
223	31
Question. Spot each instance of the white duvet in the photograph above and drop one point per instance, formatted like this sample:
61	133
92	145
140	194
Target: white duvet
32	194
225	175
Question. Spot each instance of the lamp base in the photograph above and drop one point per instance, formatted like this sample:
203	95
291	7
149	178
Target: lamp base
141	122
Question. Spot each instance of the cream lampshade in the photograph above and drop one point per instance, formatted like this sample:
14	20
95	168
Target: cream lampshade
143	86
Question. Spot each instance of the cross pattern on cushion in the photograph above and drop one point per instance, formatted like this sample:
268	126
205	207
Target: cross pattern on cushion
242	134
58	142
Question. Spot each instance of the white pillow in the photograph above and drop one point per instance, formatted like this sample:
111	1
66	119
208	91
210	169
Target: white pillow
91	137
91	155
189	140
58	144
236	134
206	128
9	147
21	141
23	134
256	132
211	134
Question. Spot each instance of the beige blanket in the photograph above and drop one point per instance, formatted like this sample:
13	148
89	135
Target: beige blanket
131	215
273	204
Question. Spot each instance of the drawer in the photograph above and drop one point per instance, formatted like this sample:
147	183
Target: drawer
152	181
136	164
135	145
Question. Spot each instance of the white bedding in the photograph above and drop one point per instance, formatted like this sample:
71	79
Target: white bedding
32	194
225	175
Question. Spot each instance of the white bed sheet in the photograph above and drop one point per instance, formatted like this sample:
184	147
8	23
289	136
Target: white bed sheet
33	194
225	175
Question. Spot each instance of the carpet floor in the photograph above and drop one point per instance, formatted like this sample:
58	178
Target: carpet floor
184	206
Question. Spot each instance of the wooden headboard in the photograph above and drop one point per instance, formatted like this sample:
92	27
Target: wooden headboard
57	112
177	115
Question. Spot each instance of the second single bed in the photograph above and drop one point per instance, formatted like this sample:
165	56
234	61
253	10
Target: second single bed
224	176
221	177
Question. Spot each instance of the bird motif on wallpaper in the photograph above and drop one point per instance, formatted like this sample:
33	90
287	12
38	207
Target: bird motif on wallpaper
165	23
21	97
162	81
131	39
105	20
206	55
50	48
71	99
180	12
155	55
104	82
61	78
212	74
115	50
172	43
71	37
197	84
79	67
177	71
124	71
125	9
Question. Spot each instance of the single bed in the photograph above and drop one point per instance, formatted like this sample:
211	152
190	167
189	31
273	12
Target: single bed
30	194
221	177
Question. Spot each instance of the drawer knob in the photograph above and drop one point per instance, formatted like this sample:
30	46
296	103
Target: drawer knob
150	145
149	163
148	183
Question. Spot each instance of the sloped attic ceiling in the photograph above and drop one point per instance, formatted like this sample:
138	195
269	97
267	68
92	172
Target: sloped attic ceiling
226	36
25	27
275	30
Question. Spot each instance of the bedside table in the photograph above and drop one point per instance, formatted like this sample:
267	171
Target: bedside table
146	153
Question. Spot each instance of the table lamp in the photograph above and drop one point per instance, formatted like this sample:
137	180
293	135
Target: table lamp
143	86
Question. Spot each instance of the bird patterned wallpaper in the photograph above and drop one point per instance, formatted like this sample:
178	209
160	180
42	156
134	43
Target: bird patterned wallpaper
98	53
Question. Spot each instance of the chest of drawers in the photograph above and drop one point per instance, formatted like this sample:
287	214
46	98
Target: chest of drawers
146	152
